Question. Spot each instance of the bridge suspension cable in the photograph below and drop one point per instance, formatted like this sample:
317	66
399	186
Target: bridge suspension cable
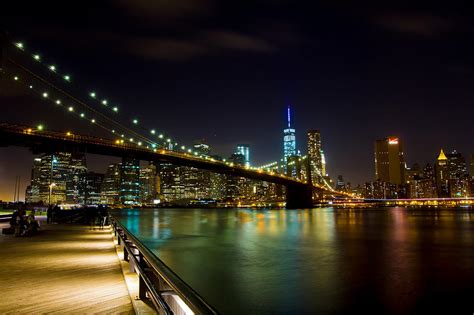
165	141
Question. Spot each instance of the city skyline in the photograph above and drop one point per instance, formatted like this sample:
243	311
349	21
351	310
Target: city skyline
352	97
243	149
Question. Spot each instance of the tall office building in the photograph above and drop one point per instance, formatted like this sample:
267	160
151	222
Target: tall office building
217	182
75	185
32	191
91	188
201	147
148	191
458	175
442	175
389	161
323	164
234	185
57	178
172	186
289	139
340	184
315	156
54	176
244	149
110	187
130	181
197	183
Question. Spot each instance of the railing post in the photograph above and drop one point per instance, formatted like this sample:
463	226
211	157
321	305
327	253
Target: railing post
125	254
141	283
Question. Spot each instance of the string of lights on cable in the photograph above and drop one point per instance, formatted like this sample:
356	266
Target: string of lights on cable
167	142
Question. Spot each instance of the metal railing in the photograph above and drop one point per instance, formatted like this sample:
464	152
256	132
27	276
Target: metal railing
156	280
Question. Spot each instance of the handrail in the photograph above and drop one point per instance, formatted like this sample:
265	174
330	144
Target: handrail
189	296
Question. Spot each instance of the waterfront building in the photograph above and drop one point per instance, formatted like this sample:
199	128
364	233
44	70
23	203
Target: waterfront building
110	187
196	182
340	184
148	191
420	182
289	139
50	178
172	187
92	188
382	190
203	185
236	187
130	181
201	147
293	167
323	164
189	179
389	161
442	175
458	175
75	179
315	156
244	149
32	191
217	182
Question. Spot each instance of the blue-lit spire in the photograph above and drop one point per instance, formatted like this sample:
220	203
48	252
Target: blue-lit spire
289	117
289	138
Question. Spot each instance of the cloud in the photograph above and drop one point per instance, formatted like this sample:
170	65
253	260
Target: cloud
425	25
237	41
166	49
201	44
165	10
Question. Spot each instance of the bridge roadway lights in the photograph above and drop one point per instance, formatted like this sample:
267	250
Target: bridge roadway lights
299	196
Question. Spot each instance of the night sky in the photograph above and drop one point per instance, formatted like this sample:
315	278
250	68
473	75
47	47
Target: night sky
225	71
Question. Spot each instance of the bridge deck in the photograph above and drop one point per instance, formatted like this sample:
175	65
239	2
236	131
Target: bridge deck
65	269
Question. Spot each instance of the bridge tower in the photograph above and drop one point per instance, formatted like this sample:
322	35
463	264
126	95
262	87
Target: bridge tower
300	196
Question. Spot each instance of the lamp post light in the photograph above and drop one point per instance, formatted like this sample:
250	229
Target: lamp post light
51	190
51	184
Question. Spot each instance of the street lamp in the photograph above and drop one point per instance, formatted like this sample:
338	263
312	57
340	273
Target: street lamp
51	184
51	190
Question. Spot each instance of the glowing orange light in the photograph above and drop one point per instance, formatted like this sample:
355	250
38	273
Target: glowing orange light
392	140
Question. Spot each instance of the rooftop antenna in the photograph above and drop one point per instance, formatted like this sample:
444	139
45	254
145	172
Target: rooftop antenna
289	117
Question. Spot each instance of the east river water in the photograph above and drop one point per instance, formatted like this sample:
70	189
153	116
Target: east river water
324	260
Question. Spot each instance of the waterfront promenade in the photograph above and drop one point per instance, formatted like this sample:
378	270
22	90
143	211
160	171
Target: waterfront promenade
65	269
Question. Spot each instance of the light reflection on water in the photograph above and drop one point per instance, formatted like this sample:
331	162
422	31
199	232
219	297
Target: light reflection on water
390	260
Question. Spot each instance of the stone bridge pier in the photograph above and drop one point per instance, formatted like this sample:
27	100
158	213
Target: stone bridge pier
299	196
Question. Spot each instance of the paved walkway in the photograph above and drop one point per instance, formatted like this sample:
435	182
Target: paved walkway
65	269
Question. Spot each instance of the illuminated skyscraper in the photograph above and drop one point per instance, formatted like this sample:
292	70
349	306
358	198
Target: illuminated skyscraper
32	191
110	187
289	139
442	175
130	181
458	175
323	163
55	172
75	184
171	182
340	184
201	147
315	156
389	161
244	149
148	190
92	183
